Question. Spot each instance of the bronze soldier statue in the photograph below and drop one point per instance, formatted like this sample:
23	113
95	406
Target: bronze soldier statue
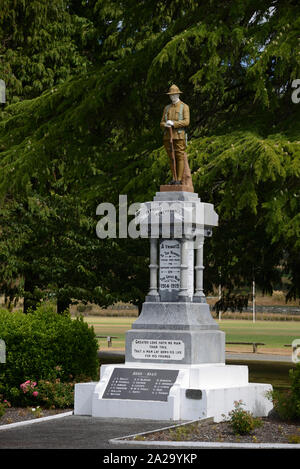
175	119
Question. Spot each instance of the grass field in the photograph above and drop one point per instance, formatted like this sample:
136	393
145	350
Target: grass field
110	326
275	334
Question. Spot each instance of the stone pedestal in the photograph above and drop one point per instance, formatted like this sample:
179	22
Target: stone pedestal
175	353
183	333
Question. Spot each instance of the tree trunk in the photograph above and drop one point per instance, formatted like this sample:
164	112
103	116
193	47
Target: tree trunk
62	304
29	300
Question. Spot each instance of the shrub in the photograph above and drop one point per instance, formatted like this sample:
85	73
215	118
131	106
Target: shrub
29	389
287	403
39	341
51	392
284	404
241	420
295	387
4	404
54	393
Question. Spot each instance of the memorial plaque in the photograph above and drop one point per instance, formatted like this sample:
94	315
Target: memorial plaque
157	349
169	266
140	384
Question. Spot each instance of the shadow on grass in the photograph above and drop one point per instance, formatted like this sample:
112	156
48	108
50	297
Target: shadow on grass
275	373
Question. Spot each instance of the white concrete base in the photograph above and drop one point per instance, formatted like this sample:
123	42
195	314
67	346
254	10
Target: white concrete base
83	398
220	385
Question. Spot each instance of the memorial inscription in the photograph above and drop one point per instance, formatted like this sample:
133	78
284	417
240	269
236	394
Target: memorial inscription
169	265
140	384
158	349
169	278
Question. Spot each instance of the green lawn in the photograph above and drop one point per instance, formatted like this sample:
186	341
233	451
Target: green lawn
275	334
111	326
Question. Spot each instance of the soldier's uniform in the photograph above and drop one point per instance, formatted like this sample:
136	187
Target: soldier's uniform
179	113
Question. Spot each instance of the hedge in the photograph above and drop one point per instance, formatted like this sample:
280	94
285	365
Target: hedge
40	341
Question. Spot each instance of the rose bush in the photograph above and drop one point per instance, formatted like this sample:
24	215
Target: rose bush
38	342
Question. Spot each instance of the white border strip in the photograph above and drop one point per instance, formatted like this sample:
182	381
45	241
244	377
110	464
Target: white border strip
36	420
206	444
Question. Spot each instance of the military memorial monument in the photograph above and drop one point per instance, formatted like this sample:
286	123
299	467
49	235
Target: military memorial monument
175	352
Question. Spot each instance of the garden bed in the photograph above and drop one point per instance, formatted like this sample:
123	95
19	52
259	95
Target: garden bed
20	414
270	431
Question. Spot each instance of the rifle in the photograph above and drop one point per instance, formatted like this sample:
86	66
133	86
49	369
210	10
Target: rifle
173	154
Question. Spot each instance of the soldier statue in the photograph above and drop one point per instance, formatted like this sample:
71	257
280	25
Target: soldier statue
175	119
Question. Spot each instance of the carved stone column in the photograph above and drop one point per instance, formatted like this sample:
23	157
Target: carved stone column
153	294
183	292
199	296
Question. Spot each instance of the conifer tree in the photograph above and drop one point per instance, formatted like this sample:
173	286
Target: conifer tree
41	45
97	135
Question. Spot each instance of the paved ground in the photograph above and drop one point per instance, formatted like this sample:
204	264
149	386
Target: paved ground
76	432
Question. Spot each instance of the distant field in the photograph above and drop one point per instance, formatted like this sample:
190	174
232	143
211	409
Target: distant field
110	326
275	334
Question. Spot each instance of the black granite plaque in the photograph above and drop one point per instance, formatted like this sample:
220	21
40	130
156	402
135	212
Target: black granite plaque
140	384
193	394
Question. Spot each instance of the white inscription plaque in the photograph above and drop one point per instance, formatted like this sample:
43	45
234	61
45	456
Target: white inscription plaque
158	349
169	267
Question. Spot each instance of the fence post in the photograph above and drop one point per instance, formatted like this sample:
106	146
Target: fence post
253	300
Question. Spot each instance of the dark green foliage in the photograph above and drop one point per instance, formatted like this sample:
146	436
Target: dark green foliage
295	386
3	406
97	135
253	181
38	342
41	45
284	404
287	403
54	392
231	302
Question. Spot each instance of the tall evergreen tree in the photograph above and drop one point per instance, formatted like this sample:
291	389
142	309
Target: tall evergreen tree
41	45
97	136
